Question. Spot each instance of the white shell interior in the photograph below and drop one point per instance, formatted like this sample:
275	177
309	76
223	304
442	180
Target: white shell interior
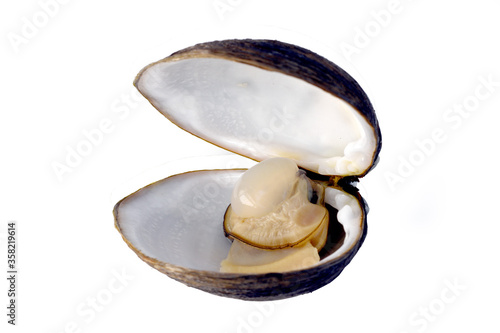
349	215
178	220
261	114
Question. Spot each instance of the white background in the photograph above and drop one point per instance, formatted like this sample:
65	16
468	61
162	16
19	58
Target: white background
429	263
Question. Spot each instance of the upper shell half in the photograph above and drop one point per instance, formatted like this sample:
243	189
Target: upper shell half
263	98
260	99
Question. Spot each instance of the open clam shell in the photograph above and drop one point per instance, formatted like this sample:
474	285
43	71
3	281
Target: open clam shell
259	99
174	225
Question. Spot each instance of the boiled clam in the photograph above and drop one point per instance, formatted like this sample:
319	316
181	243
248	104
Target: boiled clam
269	101
271	207
272	220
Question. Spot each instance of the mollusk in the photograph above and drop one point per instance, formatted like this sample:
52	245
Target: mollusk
262	99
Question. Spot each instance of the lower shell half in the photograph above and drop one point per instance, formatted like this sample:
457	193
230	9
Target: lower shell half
175	225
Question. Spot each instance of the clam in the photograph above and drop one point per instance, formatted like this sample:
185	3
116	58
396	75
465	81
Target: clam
264	100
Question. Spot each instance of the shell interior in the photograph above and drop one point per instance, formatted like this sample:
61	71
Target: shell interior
261	113
178	221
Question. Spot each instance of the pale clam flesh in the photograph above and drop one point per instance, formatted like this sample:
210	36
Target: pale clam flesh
277	220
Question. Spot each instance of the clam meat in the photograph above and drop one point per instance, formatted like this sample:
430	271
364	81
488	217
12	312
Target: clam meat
272	221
